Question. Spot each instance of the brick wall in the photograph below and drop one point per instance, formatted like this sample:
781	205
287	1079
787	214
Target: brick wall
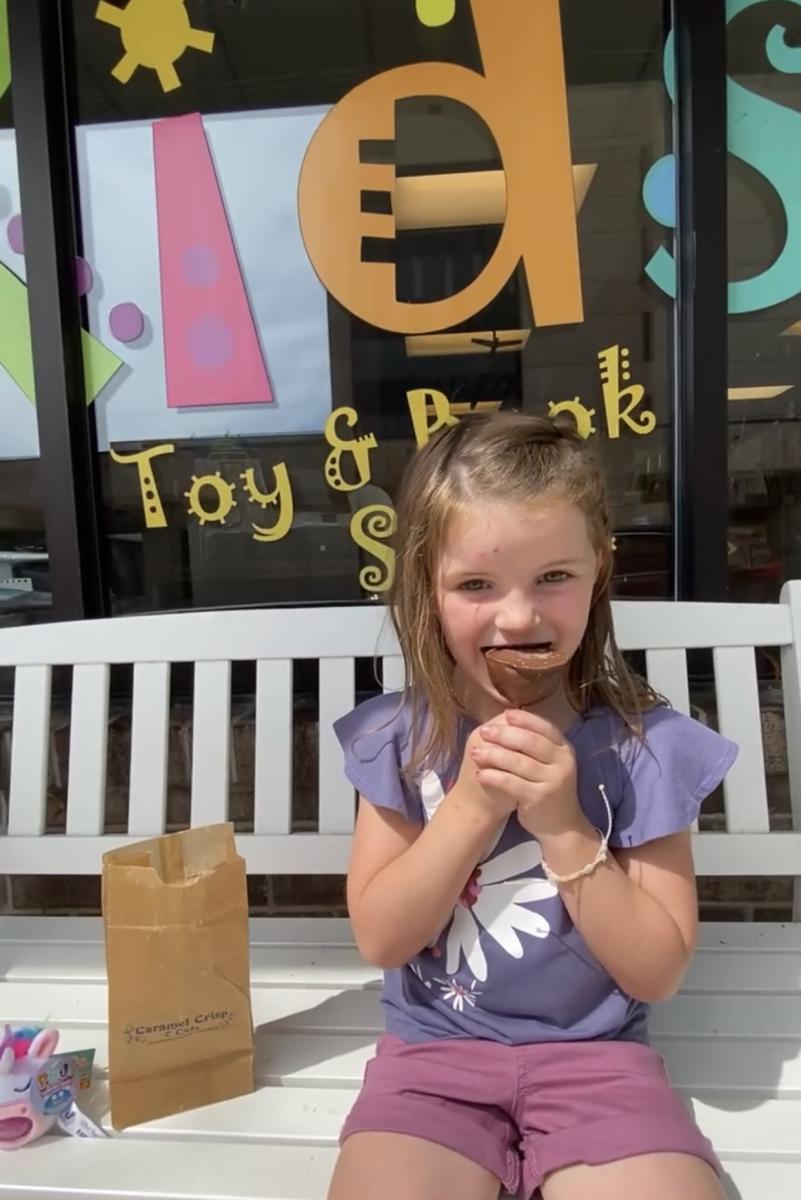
729	899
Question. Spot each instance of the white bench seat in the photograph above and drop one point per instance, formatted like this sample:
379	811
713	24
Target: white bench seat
732	1040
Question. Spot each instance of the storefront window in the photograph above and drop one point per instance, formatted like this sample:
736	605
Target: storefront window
306	256
764	174
24	577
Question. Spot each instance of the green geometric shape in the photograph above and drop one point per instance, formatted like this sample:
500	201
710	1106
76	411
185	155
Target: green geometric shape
5	54
99	365
16	355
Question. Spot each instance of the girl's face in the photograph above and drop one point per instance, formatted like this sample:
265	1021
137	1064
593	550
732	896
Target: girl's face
513	575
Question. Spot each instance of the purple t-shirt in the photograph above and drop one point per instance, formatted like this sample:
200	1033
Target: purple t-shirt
510	966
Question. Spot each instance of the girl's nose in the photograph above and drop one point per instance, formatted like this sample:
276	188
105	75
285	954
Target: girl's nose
517	615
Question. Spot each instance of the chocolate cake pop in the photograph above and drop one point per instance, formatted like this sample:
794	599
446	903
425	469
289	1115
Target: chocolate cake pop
524	677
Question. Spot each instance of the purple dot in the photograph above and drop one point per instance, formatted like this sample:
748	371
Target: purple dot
200	266
84	278
210	342
15	236
126	322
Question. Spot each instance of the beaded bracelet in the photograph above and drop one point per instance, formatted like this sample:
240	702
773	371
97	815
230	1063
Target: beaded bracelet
600	858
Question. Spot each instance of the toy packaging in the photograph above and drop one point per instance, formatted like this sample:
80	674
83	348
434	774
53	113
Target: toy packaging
39	1088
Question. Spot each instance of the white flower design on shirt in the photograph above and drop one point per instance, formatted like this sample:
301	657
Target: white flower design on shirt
493	901
458	994
417	971
493	898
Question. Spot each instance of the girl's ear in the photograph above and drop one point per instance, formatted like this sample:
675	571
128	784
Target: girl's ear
44	1044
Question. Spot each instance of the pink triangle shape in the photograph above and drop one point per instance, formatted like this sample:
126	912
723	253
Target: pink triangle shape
211	346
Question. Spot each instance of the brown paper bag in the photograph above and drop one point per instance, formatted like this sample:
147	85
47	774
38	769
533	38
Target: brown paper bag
180	1032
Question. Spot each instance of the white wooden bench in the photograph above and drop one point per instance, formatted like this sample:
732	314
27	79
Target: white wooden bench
732	1038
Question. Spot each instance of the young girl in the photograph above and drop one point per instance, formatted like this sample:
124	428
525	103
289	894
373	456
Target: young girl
524	877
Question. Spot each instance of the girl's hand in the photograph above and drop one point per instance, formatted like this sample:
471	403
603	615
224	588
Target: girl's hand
493	804
525	760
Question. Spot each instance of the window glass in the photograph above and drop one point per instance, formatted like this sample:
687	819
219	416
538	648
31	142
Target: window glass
764	194
317	229
24	576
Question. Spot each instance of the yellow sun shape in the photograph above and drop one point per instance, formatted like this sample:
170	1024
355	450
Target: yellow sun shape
155	33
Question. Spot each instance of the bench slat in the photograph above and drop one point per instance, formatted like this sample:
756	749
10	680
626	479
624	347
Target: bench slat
751	941
289	1116
714	937
762	1066
150	734
295	854
282	991
307	966
273	734
356	631
211	742
725	1014
154	1169
241	1171
667	674
355	1011
762	854
737	694
393	673
304	963
30	747
666	625
264	931
337	690
338	967
719	1064
86	786
314	1116
791	685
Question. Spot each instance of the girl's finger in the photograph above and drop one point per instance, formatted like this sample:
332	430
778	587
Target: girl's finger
522	719
522	765
520	739
501	781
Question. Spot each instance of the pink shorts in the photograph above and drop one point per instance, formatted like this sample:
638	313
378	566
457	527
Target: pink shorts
523	1112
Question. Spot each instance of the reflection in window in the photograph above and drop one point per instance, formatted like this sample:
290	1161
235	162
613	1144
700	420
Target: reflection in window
253	439
764	126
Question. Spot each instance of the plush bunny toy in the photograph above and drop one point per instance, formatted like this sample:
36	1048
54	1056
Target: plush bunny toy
23	1054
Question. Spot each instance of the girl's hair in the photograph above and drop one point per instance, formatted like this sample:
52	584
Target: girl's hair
513	459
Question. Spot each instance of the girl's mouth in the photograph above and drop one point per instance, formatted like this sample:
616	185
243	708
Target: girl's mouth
520	647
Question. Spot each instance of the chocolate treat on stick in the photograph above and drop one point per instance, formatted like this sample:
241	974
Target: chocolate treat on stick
524	677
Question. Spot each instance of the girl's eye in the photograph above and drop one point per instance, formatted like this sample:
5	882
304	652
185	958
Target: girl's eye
27	1087
473	585
555	577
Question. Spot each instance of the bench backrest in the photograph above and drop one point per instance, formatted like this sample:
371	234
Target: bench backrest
335	637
